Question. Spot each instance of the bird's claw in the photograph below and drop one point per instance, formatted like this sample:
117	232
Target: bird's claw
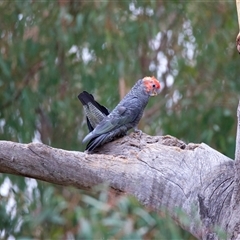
138	131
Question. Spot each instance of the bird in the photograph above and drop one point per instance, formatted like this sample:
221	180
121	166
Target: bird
125	115
95	112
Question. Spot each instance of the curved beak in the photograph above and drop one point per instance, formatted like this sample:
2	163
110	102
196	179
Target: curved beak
155	92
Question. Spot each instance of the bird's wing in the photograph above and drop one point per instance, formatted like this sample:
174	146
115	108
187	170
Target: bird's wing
106	137
121	115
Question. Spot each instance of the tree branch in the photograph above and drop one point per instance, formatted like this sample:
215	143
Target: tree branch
238	12
161	172
234	226
237	148
238	36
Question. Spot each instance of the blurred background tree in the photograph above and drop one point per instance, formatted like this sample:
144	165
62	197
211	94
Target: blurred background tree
52	50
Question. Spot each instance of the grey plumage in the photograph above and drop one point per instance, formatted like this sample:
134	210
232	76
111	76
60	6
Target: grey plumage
125	115
95	113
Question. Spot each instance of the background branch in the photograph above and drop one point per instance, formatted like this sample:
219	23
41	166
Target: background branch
238	36
238	12
237	148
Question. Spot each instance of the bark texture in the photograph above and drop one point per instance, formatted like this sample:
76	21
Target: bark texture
193	182
234	224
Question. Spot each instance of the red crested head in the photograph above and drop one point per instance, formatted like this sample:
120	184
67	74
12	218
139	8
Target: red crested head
152	85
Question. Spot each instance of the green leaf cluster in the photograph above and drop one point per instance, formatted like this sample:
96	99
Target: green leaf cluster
56	213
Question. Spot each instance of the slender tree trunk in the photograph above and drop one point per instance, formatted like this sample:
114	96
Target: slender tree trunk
193	182
238	36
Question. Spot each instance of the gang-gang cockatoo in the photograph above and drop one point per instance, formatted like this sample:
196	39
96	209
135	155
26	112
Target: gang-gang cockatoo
125	115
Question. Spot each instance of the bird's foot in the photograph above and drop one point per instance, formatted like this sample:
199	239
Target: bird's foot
138	131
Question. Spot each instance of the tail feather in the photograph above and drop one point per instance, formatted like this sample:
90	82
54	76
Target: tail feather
94	111
105	138
87	98
96	142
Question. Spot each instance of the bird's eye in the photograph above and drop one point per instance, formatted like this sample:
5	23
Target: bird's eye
154	85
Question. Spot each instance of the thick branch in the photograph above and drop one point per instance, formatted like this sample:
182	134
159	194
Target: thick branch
234	226
161	172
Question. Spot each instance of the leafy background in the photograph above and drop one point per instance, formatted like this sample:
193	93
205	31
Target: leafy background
52	50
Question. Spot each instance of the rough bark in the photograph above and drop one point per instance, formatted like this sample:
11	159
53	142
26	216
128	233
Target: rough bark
193	182
234	223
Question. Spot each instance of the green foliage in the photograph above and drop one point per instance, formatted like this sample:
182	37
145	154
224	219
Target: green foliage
73	214
52	50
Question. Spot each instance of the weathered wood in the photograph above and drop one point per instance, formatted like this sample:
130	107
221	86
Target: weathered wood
192	182
234	224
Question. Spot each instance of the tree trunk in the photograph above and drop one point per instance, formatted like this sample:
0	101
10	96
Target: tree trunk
193	182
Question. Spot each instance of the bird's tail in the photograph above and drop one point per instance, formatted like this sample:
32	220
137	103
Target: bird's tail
96	142
94	111
104	138
87	98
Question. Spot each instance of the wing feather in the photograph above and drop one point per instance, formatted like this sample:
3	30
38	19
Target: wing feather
123	114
